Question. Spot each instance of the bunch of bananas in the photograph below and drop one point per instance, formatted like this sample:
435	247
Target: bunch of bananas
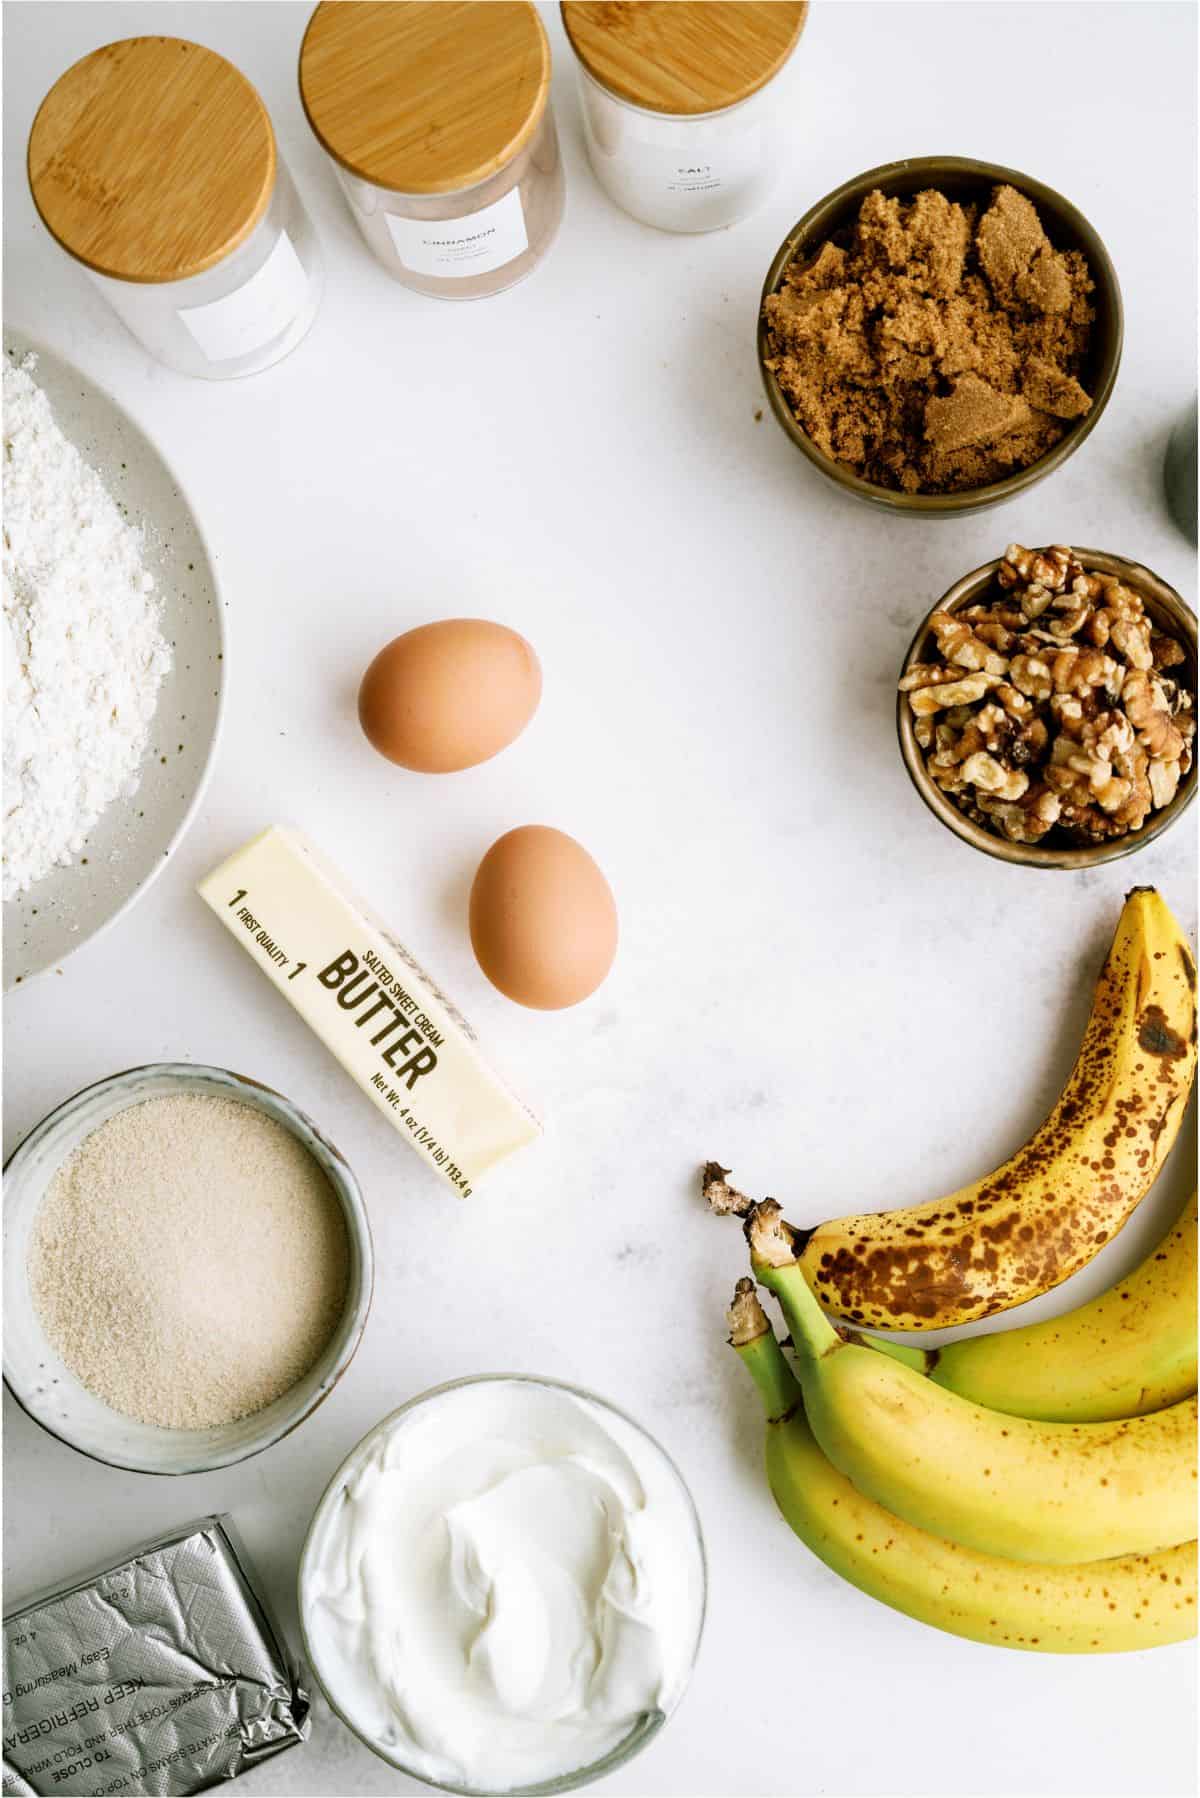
1034	1488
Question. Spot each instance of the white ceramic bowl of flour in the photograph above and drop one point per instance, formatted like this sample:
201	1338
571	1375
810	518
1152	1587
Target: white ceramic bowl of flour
34	1371
136	834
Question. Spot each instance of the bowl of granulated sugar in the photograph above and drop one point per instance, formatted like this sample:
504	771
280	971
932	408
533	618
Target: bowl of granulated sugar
187	1269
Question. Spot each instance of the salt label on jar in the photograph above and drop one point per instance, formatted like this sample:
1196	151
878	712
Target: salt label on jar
473	245
673	171
256	312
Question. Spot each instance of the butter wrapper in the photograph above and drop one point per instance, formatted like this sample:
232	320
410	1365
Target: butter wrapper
162	1675
373	1006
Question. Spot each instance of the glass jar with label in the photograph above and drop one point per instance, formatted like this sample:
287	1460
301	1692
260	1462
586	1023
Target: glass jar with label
437	120
681	103
153	163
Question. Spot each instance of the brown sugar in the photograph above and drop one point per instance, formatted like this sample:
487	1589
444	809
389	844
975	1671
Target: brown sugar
932	349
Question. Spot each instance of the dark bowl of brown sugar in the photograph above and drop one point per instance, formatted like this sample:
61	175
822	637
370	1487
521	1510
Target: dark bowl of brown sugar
965	182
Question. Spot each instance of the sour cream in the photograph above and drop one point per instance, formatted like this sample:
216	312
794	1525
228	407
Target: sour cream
502	1584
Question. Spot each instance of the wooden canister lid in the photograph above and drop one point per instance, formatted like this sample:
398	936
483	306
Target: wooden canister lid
677	56
424	96
151	159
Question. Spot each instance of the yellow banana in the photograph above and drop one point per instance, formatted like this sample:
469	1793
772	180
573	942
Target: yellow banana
1050	1208
1054	1492
1101	1607
1129	1351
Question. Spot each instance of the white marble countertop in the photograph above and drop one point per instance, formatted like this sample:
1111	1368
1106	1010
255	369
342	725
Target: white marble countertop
816	982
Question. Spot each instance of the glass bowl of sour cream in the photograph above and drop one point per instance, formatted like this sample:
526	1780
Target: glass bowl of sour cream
502	1590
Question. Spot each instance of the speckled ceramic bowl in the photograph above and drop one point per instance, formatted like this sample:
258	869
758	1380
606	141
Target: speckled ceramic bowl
131	843
35	1374
961	179
1169	612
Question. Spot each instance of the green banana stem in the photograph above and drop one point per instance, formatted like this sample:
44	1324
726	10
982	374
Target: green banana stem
923	1360
750	1333
774	1262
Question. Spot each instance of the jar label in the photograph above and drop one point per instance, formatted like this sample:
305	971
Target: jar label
254	313
475	244
677	171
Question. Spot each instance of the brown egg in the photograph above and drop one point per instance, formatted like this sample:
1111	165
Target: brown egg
543	921
448	695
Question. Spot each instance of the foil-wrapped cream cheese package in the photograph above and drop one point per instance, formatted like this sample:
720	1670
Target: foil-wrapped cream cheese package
400	1038
160	1675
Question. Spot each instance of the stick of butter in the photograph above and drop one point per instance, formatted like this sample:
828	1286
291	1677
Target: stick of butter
371	1004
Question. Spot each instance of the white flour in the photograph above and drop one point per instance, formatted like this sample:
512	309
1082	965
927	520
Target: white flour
83	653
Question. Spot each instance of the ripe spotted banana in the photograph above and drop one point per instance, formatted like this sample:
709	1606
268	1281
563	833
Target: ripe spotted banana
1054	1492
1101	1607
1131	1350
1046	1212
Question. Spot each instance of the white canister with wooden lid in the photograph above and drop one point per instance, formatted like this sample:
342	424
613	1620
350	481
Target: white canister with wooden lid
681	103
153	163
436	116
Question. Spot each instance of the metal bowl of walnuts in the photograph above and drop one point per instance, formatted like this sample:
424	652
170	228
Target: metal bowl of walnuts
1046	710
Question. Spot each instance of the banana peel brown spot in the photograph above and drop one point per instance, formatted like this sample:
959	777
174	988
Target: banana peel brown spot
1157	1037
1001	1231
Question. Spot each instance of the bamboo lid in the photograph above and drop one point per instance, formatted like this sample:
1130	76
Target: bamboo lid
151	159
677	56
424	96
